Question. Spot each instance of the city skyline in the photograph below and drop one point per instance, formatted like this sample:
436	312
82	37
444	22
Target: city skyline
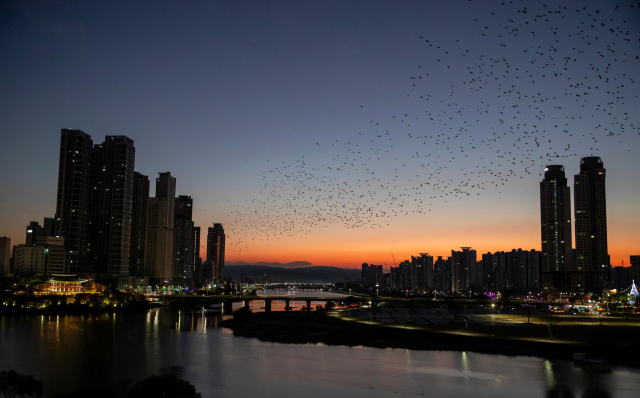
551	173
319	198
325	81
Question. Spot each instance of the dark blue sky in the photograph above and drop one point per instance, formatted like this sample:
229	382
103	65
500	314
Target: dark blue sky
211	90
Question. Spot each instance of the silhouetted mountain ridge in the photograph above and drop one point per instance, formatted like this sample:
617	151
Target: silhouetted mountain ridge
293	264
299	274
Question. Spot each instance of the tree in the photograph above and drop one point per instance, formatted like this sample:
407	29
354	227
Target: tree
351	301
330	305
320	310
16	385
167	385
243	314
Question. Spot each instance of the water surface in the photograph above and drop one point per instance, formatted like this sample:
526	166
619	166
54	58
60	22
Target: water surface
73	353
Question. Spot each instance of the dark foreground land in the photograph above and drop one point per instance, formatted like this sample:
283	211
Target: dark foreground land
617	344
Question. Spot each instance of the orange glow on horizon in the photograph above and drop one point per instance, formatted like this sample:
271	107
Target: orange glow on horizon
350	248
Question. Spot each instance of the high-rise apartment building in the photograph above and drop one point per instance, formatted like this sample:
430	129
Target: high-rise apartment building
513	270
73	204
489	272
394	277
406	275
439	275
184	240
54	254
196	273
34	231
372	276
422	272
215	251
5	248
114	161
49	226
592	255
160	228
555	216
426	263
463	268
534	270
46	257
28	260
138	223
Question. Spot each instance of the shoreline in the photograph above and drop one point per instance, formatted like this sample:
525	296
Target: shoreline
314	328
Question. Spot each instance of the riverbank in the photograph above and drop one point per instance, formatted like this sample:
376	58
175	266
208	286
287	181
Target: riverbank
72	304
527	340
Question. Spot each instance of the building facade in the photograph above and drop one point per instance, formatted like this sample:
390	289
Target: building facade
555	221
5	254
138	223
592	255
464	267
114	162
34	231
184	240
372	276
159	253
216	251
46	257
74	198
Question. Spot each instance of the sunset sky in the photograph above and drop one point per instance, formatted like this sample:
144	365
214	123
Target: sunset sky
222	93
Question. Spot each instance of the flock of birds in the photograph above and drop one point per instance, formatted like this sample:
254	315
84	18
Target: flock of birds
538	84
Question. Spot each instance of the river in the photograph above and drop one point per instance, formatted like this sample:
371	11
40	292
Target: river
75	353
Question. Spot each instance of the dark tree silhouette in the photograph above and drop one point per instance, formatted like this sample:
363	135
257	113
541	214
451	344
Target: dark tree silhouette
243	314
351	301
167	385
16	385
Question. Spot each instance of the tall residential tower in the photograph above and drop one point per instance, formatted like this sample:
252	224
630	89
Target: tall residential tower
114	160
75	189
215	251
138	223
592	255
184	240
160	227
555	217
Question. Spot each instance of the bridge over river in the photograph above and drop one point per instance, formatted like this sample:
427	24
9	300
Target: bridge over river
266	302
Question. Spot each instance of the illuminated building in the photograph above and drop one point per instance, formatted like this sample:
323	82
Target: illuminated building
215	251
159	231
372	275
592	256
5	247
63	284
47	256
184	240
555	216
34	230
73	206
113	197
463	269
138	223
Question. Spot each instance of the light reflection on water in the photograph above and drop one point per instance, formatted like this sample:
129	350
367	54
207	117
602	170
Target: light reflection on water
72	353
